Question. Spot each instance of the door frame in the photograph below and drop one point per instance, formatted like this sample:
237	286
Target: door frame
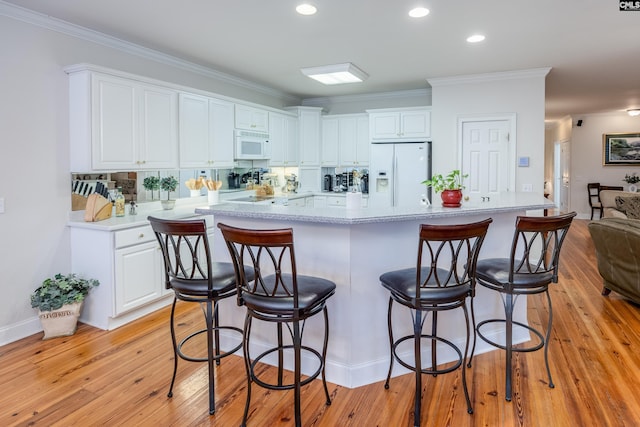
512	146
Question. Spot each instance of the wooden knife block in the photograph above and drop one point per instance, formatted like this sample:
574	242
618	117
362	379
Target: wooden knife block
97	209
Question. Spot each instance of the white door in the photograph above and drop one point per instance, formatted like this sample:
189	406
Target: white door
486	157
565	176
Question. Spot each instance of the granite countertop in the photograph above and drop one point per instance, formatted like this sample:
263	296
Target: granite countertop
506	202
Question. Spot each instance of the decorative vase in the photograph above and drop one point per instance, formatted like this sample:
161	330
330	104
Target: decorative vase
168	204
451	198
61	322
633	188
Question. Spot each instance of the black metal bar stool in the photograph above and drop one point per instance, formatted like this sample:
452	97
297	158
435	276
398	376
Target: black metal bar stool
276	293
531	267
189	271
443	279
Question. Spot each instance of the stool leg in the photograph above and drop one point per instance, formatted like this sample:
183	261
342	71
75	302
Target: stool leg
417	332
391	357
508	343
216	330
434	333
280	354
247	365
546	340
464	369
473	323
175	347
324	354
297	372
210	358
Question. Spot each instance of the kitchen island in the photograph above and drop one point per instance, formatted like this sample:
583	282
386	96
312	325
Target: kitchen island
353	247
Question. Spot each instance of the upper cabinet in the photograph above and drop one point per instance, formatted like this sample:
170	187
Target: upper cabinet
345	140
283	135
308	134
206	132
121	124
399	124
251	118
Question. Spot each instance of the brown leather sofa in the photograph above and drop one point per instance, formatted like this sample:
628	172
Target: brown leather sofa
617	243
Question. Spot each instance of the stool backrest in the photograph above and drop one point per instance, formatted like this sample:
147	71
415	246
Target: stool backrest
270	255
593	188
536	245
185	249
447	254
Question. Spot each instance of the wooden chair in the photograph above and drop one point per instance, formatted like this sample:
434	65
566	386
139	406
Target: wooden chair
593	188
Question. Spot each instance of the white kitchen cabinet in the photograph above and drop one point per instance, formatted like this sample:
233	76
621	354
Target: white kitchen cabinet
308	135
121	124
128	264
251	118
283	135
354	140
206	132
399	124
330	150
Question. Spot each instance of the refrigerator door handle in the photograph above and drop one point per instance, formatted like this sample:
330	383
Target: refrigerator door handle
395	180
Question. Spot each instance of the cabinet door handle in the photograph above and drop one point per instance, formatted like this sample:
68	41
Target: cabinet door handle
141	236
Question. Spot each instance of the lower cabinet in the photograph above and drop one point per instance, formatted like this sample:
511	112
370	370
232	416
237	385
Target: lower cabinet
128	263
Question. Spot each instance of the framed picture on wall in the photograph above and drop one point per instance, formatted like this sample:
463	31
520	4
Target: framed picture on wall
621	149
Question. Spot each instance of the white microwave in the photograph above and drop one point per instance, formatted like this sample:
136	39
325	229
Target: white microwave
252	145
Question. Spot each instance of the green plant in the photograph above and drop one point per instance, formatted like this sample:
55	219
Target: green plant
59	290
631	179
452	181
151	183
168	184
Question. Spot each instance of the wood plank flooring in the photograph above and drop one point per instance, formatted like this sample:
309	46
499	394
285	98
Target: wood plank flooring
121	377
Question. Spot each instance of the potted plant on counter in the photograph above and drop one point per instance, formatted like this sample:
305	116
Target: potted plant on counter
59	302
168	184
450	186
151	183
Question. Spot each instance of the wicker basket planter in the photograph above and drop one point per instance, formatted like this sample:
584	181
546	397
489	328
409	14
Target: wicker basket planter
61	322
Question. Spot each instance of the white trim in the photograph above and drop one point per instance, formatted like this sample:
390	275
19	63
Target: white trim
44	21
513	141
401	94
489	77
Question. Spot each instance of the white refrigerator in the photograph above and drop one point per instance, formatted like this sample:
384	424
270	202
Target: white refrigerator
396	172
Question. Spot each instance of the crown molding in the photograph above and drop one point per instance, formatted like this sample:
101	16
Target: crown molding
333	100
44	21
489	77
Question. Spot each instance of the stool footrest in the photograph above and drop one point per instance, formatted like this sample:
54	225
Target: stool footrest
290	386
537	333
427	371
204	359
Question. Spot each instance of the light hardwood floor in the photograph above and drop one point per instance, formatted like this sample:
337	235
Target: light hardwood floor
121	377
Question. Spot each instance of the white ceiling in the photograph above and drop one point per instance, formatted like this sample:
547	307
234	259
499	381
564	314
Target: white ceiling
592	46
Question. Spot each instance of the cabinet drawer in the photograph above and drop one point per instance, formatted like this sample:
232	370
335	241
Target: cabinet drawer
134	236
337	201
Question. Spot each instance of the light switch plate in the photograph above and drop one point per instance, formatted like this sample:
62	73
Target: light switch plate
527	187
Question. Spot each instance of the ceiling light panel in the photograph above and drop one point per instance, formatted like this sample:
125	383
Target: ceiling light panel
476	38
336	74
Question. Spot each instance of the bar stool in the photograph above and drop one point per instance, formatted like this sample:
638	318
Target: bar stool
443	279
189	271
531	267
276	293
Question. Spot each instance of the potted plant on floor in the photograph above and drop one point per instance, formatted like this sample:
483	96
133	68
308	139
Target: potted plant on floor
450	186
59	302
168	184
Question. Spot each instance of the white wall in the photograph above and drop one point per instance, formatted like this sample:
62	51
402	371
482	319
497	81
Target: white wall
492	94
34	164
586	156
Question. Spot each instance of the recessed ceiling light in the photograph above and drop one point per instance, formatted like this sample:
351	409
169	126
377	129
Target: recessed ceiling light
306	9
476	38
634	112
419	12
336	74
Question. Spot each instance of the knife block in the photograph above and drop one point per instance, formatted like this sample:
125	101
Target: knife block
98	208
